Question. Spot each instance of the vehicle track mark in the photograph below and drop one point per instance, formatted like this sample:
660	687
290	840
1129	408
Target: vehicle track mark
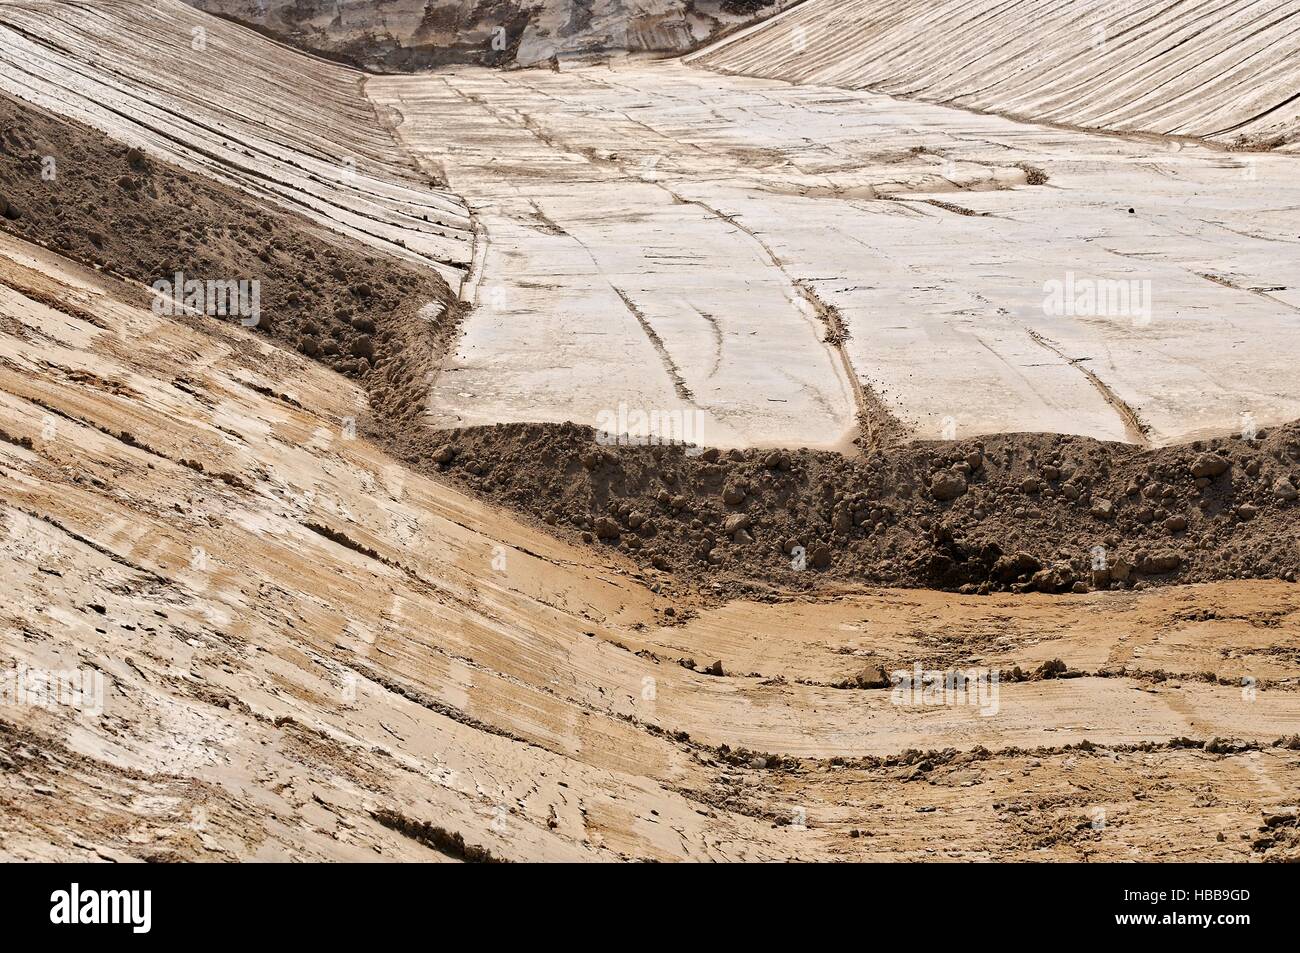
1134	426
877	424
670	366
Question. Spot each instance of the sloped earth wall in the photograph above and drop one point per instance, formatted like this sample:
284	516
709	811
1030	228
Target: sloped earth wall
1222	71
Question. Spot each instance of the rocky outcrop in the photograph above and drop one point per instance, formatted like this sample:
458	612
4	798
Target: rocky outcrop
402	35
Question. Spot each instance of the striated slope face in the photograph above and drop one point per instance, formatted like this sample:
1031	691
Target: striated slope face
415	34
216	98
1228	71
307	651
185	514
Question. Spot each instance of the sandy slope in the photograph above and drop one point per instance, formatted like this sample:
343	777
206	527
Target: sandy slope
311	652
1222	70
219	99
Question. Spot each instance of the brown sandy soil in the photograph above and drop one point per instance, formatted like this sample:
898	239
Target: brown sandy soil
1015	512
310	651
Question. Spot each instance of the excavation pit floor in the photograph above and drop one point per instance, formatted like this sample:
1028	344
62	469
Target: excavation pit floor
781	260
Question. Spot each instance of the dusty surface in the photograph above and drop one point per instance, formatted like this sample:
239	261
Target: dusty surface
1224	71
315	644
395	35
774	261
312	652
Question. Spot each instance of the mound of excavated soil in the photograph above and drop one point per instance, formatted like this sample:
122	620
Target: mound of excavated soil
128	214
1018	512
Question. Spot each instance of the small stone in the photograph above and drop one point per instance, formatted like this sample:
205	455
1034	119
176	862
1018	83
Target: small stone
1285	490
733	495
947	485
1046	580
1209	465
1010	568
736	522
1160	563
1103	509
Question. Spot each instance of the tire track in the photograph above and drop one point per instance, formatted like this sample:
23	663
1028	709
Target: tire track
670	366
1138	431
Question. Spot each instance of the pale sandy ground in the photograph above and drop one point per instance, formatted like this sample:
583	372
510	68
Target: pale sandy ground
166	493
672	239
219	99
1218	70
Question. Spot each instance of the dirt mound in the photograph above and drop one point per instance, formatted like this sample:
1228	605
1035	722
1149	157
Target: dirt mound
116	209
1019	512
